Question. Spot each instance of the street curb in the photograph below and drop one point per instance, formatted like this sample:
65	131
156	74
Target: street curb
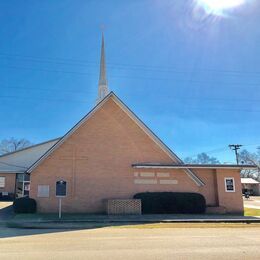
63	224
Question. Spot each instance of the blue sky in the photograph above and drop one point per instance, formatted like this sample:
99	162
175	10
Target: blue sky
193	78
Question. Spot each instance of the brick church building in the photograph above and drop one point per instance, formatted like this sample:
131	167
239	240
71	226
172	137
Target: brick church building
112	154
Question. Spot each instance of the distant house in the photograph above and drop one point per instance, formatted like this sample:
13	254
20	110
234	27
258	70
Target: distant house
250	185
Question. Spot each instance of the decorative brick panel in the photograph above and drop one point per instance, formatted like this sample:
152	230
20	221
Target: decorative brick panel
124	207
145	181
163	174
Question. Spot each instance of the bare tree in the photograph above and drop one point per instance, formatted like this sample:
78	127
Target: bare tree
246	157
202	158
12	144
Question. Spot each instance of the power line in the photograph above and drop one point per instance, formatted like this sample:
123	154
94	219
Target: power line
44	98
81	101
67	61
175	97
44	89
47	70
218	150
116	66
211	151
132	77
251	145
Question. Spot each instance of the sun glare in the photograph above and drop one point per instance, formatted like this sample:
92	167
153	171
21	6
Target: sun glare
218	7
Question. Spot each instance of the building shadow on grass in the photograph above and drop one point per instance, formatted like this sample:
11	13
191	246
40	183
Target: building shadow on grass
32	228
6	211
8	231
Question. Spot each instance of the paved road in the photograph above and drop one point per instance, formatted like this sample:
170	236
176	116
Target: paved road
253	202
125	243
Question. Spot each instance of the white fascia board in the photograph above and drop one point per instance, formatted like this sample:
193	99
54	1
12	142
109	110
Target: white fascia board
189	167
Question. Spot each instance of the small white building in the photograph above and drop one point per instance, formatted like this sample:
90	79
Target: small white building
250	185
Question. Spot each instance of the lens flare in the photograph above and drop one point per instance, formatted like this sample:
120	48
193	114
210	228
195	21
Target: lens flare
218	7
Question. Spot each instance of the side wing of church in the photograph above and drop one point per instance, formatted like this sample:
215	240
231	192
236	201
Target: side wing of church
13	182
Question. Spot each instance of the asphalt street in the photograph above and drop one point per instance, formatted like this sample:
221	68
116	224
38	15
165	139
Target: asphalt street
131	243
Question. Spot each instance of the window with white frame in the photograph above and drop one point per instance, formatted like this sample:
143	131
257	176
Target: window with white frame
2	182
230	184
43	191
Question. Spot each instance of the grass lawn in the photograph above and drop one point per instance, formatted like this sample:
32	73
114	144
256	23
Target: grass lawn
23	218
42	217
251	212
49	216
190	225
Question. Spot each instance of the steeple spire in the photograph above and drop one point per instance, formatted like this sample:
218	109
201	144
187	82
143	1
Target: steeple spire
102	83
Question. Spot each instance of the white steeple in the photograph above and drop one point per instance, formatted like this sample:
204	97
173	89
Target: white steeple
102	83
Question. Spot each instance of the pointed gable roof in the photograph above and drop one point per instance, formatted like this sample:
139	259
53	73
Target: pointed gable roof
120	103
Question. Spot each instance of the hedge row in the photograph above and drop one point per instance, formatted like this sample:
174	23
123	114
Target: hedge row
152	203
171	202
24	205
8	197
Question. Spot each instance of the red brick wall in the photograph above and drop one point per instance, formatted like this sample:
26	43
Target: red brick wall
232	201
9	182
111	143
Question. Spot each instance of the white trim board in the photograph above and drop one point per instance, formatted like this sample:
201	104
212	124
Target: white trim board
234	184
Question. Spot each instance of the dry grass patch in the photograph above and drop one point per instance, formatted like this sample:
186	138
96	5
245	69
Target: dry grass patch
251	212
190	225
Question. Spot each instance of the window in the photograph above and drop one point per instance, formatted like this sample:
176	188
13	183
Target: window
43	191
2	182
230	184
26	188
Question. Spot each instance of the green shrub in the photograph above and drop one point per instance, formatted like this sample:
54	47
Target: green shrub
24	205
8	197
172	202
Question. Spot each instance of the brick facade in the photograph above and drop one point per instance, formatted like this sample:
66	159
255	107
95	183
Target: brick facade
96	161
9	182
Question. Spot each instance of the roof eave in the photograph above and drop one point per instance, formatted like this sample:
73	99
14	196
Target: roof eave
186	166
3	172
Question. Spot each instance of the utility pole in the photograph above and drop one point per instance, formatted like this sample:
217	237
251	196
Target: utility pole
235	147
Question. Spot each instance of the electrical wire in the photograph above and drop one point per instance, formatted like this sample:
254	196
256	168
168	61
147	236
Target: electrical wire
67	61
